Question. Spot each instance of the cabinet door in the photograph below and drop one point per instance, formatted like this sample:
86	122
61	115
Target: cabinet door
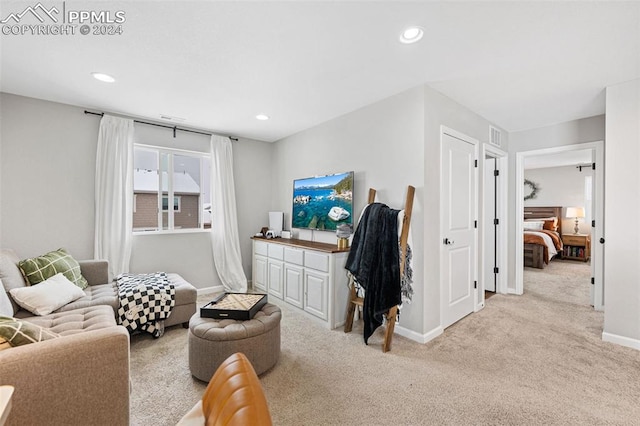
293	285
260	273
275	278
315	294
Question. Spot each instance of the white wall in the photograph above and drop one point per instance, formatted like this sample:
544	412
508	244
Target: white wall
383	144
622	229
578	131
47	175
47	171
389	144
562	186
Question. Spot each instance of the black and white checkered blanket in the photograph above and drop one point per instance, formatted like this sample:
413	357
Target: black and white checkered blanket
145	301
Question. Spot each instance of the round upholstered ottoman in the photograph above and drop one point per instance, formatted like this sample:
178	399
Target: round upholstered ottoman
211	341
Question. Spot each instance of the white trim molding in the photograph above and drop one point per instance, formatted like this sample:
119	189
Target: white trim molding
417	337
621	340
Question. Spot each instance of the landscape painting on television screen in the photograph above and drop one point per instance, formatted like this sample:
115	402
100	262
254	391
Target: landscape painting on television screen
323	202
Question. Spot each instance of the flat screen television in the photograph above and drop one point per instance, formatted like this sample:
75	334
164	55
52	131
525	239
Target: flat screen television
323	202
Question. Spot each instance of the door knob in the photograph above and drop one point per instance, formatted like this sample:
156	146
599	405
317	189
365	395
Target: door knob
448	241
601	240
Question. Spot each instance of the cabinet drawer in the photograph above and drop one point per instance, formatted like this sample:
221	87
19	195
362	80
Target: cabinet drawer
276	251
294	256
261	248
575	240
316	261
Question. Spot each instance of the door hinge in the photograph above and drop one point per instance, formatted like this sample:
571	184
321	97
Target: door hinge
496	270
496	172
593	280
475	163
475	284
593	223
475	223
496	221
593	166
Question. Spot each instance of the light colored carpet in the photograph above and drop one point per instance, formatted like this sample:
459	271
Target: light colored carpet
531	359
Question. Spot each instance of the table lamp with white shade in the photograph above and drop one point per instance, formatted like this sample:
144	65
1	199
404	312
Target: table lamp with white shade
575	213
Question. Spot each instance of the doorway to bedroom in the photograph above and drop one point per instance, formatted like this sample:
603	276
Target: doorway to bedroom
560	204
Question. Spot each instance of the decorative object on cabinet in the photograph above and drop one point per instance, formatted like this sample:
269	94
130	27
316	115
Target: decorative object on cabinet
343	233
575	213
355	300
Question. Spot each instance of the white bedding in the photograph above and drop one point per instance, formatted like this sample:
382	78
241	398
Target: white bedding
548	241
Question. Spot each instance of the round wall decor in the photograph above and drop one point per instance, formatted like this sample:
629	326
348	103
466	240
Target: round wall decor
530	190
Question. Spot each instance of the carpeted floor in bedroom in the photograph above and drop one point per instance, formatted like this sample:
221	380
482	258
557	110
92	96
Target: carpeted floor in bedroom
532	359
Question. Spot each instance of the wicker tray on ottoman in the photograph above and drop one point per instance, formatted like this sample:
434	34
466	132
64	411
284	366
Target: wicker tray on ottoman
238	306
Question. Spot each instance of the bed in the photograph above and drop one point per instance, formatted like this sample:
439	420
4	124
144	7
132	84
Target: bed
541	245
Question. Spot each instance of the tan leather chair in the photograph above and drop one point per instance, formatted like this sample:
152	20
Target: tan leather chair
234	397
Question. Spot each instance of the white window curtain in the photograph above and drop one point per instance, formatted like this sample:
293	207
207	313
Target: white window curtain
114	188
224	222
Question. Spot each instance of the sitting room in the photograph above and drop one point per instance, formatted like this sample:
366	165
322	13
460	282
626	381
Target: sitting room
184	184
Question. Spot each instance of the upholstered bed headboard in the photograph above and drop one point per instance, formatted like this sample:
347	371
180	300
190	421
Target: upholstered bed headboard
540	212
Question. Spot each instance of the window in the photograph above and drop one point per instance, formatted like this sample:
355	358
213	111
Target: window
176	203
161	175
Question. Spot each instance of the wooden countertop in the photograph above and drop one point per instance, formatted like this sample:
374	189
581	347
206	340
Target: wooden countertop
292	242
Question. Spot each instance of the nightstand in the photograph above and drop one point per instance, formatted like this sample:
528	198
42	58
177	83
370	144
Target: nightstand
576	246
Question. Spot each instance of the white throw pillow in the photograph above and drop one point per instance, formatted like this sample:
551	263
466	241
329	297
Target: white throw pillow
47	296
533	226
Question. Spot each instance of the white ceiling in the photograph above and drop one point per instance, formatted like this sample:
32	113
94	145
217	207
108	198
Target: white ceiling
520	65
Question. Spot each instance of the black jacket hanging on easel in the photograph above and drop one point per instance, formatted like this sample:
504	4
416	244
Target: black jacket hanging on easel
374	261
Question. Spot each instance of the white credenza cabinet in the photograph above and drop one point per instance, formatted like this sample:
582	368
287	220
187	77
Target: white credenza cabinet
307	275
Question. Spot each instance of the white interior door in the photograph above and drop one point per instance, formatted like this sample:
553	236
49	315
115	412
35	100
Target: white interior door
597	232
458	228
490	234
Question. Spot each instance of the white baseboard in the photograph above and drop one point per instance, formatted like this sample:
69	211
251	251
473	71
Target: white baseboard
417	337
210	290
621	340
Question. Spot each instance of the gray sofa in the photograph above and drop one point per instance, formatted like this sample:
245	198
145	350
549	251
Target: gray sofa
81	377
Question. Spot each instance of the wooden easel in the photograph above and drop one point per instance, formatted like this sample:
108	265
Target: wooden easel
354	300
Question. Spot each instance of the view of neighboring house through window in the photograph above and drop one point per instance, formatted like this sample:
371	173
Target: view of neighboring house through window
161	175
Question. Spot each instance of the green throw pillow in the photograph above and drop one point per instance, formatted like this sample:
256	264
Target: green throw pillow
17	332
46	266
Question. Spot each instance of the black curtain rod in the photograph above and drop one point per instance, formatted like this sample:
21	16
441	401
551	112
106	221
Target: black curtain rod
174	128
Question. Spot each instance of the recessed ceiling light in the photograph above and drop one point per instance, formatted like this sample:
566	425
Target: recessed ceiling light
411	35
103	77
262	117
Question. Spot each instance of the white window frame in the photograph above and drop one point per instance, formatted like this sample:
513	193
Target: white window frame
171	152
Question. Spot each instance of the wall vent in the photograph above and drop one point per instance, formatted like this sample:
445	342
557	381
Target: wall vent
494	136
170	118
